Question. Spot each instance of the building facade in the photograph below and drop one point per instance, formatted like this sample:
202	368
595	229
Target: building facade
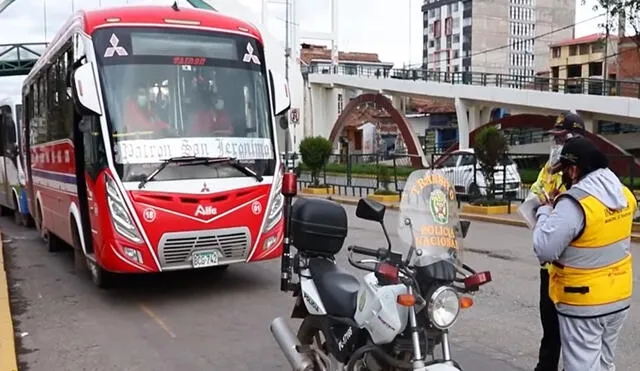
628	58
493	36
318	58
583	58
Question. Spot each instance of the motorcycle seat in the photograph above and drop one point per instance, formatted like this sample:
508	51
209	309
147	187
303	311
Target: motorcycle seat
337	288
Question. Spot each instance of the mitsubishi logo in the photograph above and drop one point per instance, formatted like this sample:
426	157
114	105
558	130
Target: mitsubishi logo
249	56
205	188
114	48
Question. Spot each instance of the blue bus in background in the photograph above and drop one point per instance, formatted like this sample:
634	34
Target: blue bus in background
13	196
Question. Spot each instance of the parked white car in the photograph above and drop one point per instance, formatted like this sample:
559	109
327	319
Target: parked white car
459	168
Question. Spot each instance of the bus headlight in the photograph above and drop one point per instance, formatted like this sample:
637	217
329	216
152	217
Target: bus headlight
120	217
277	201
443	308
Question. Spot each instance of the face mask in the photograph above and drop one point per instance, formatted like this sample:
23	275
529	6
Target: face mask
554	154
142	100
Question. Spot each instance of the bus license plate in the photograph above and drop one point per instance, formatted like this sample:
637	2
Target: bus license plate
201	259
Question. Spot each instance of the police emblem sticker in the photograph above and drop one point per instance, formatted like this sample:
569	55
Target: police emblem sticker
439	206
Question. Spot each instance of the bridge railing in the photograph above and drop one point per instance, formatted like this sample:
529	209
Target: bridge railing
572	85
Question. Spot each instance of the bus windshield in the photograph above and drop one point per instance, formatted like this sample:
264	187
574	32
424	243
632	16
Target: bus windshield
170	93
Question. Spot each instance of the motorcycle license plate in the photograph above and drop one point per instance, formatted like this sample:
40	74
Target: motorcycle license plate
201	259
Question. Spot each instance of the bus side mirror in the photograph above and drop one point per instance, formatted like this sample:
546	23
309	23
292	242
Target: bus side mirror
281	97
85	90
283	122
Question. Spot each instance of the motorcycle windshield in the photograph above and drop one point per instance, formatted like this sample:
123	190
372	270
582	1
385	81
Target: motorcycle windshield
429	219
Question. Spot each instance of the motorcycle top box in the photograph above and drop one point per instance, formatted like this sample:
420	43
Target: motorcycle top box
318	226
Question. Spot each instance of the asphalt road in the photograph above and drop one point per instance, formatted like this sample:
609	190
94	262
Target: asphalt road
203	320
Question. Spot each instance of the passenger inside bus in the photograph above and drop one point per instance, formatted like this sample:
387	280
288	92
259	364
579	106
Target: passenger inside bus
209	118
139	115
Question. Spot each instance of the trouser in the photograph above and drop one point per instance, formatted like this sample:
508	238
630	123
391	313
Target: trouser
589	344
549	354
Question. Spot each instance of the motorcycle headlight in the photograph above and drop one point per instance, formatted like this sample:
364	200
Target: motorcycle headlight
443	307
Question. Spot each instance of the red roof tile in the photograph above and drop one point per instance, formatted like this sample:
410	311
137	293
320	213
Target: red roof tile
309	52
432	105
584	40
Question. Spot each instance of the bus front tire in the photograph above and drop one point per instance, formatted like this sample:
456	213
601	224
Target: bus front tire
100	277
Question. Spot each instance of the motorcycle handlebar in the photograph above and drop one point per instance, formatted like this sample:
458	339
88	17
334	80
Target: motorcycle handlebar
363	251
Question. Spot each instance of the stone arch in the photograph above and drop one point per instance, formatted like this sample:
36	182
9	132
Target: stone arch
410	139
619	158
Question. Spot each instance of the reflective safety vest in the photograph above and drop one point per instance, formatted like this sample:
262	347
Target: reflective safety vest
548	183
596	268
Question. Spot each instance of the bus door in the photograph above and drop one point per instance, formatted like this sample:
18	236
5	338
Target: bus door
8	155
90	161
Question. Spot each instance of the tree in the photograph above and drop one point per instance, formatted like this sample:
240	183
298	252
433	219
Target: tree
625	12
490	147
315	152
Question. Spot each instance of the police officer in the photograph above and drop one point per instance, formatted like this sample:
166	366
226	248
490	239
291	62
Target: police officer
568	125
591	277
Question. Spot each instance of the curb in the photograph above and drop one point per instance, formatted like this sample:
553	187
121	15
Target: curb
469	216
8	361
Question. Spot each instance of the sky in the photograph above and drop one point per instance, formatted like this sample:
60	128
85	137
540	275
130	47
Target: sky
370	31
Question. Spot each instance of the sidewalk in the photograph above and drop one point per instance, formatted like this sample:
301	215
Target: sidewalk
513	219
8	360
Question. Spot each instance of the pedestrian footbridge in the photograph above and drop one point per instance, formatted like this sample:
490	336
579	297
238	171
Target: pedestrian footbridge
475	95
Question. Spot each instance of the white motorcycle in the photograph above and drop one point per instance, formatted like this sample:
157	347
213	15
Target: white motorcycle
403	308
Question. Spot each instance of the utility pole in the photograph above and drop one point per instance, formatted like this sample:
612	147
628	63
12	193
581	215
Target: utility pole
45	19
287	54
606	52
287	47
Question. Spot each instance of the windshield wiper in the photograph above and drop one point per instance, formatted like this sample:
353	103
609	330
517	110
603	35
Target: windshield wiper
233	162
196	160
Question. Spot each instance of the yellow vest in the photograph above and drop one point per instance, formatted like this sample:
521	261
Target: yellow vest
596	268
548	183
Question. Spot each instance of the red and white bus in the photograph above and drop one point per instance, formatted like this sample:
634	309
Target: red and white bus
151	141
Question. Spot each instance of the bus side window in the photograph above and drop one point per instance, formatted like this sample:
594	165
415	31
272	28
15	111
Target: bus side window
94	152
5	135
9	137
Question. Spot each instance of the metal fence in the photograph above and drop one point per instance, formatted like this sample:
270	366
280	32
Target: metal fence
571	85
362	174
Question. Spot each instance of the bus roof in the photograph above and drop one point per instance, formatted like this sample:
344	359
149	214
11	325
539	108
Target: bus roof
149	15
164	15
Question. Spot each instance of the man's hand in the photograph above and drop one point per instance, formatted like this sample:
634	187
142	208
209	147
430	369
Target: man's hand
549	198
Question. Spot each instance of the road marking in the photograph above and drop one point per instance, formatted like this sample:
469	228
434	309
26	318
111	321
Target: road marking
157	320
8	361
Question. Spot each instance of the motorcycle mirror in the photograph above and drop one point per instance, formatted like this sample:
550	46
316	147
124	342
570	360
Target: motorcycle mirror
464	227
373	210
370	210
